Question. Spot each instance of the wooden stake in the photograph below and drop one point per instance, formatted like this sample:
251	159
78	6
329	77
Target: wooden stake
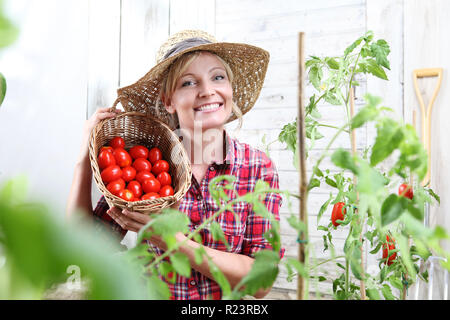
353	141
302	285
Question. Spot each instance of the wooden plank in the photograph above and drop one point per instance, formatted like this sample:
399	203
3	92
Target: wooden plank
194	14
236	10
145	26
315	22
104	41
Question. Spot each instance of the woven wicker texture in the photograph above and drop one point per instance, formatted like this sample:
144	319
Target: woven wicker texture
248	63
140	129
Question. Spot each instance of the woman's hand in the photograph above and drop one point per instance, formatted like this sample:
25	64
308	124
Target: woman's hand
99	115
134	221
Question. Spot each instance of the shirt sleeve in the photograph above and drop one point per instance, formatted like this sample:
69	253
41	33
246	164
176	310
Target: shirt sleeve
103	221
254	239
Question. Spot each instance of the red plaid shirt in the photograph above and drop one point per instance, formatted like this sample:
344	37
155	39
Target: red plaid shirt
245	237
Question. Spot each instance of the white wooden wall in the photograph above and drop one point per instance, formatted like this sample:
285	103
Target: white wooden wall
71	58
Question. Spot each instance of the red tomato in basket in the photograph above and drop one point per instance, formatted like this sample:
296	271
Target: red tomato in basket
139	151
106	148
117	142
154	155
166	191
116	186
144	175
160	166
126	195
406	190
135	187
123	158
111	173
150	196
338	213
164	178
128	173
105	159
151	185
142	164
387	247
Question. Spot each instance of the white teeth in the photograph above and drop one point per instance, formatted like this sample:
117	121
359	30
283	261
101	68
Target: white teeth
208	107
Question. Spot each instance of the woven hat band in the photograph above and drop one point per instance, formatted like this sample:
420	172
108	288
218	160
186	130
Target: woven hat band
185	44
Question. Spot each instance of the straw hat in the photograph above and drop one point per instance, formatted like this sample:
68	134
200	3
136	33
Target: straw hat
248	63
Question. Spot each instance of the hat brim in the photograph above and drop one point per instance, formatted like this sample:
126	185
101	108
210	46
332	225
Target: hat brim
248	64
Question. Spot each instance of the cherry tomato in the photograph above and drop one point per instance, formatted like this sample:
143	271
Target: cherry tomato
116	186
406	190
141	164
151	185
160	166
107	148
150	196
387	247
154	155
135	187
166	191
139	151
126	195
128	173
111	173
117	142
164	178
338	213
144	175
105	159
123	158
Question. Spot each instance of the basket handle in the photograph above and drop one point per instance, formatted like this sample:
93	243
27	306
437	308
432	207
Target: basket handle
113	108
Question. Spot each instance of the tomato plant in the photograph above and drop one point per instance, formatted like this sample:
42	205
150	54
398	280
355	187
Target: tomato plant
374	207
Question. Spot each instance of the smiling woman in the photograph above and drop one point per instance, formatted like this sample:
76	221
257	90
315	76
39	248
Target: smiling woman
197	86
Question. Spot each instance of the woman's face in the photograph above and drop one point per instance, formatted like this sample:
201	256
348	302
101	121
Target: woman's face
203	94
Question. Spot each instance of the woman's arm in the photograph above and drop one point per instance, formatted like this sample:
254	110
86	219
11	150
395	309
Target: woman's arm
234	266
80	191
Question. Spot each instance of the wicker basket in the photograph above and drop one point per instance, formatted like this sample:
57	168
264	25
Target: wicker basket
140	129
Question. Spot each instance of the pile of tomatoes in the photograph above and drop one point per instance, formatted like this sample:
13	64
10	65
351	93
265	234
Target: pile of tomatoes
135	174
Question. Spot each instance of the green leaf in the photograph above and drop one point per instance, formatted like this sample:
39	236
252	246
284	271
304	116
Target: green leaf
323	208
366	114
376	70
314	183
343	159
181	264
2	88
332	63
315	76
351	47
297	265
389	137
392	209
373	294
217	233
380	51
263	273
220	278
157	289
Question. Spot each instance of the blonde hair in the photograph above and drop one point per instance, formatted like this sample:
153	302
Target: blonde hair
175	71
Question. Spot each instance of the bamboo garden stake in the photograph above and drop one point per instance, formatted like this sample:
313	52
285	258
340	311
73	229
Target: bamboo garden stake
302	285
353	143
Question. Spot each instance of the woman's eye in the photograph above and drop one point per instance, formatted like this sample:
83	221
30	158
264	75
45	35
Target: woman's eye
187	83
219	77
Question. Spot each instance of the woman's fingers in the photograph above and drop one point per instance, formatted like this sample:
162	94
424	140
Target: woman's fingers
139	217
124	221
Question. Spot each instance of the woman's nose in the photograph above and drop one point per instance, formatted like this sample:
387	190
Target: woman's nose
206	89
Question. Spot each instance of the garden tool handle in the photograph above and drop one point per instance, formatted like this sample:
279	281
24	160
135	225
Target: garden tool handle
426	113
